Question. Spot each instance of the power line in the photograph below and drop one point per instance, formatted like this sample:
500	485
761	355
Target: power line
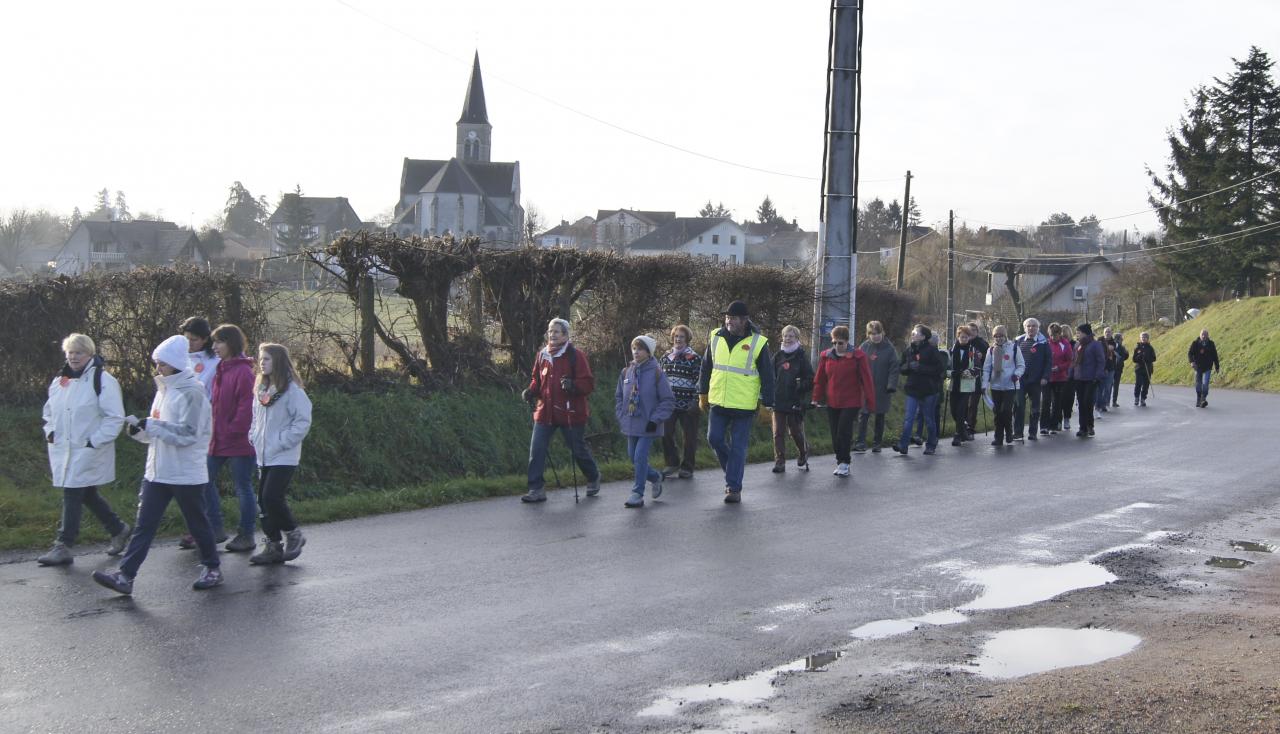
1195	244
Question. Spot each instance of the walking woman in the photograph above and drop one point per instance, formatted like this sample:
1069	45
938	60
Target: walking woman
82	418
281	420
683	367
1087	370
642	403
559	386
1061	355
843	383
204	360
1144	364
924	366
177	433
232	417
884	374
792	384
1002	371
964	382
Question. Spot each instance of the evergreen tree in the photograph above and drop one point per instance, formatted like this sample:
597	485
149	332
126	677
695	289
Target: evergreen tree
709	211
765	213
102	211
244	215
76	217
121	209
297	232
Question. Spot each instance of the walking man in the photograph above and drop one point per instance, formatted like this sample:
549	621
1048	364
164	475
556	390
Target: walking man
737	373
1203	356
1144	360
1034	347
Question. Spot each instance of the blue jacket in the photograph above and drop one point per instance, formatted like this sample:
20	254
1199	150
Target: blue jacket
1012	369
653	401
1091	361
1037	357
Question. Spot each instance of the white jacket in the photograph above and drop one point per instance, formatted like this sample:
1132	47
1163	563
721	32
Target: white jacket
278	429
77	417
205	368
178	430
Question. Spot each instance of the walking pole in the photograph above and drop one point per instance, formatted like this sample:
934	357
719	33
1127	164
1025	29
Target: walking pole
573	463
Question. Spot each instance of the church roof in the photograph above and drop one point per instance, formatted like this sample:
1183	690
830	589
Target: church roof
492	179
452	178
474	111
675	233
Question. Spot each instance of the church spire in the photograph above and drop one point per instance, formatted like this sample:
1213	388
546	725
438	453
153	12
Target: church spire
475	134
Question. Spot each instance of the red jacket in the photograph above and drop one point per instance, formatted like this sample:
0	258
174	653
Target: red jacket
232	407
555	406
845	382
1062	354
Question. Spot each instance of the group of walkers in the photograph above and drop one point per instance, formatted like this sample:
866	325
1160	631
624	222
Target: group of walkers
209	411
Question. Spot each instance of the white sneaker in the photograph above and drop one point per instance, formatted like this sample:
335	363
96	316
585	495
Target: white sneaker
1066	425
842	470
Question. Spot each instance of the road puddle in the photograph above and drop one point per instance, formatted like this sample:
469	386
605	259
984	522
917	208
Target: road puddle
1218	562
752	689
1005	587
1022	652
818	661
1252	547
883	628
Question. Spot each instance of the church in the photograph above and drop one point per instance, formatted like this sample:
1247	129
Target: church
467	195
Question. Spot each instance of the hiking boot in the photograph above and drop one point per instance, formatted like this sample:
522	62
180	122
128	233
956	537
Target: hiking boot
1204	403
1090	433
860	447
655	489
635	500
1143	404
917	440
930	450
118	541
802	464
731	497
540	495
669	471
209	578
114	580
58	555
875	449
842	470
1081	433
900	448
272	552
240	544
293	542
998	441
779	467
593	489
956	441
1032	437
1018	437
685	474
187	542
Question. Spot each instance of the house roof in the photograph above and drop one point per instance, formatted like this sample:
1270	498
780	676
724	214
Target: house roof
332	212
492	179
1063	272
474	111
561	229
677	232
792	247
652	218
145	242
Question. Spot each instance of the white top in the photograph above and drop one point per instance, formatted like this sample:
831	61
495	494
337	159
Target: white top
279	427
178	431
76	418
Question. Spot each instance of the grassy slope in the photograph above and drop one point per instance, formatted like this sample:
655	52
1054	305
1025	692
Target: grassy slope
1247	334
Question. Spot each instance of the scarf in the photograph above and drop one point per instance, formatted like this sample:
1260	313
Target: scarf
997	353
791	350
676	353
1080	347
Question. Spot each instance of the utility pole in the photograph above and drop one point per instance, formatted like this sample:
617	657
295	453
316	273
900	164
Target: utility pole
837	281
951	273
902	240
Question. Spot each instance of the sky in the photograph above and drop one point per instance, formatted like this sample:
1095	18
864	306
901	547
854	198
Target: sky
1003	110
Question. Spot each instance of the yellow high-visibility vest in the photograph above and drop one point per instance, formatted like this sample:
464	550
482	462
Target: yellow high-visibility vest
735	382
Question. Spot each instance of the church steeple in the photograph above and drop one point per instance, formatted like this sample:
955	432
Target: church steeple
475	134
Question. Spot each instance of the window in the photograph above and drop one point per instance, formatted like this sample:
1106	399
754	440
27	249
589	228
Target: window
715	239
699	239
715	258
1079	293
733	259
733	239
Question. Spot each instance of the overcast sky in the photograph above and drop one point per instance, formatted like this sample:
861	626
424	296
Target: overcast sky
1004	110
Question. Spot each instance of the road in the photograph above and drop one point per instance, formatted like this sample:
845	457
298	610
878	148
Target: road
494	616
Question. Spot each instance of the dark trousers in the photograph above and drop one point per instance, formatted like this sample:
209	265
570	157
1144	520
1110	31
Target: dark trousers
683	455
1141	384
1027	394
974	398
73	499
1048	408
841	420
1115	384
152	502
1002	405
1086	394
919	430
540	441
960	412
863	419
793	424
273	487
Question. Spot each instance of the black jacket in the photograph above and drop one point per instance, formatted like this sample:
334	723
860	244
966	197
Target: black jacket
1204	355
924	367
792	381
1144	358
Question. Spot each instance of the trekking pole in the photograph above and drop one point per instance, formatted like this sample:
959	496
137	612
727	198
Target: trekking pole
573	463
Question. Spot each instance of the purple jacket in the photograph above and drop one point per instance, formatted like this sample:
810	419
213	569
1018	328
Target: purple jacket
653	399
1091	361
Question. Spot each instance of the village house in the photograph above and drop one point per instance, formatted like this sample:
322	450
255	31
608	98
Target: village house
719	239
99	245
616	229
328	215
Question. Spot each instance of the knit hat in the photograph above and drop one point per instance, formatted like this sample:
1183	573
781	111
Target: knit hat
1085	329
649	343
173	352
737	308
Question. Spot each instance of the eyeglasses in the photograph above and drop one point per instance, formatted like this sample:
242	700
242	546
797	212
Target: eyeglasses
839	341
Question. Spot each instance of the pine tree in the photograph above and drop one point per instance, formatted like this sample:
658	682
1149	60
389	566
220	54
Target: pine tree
765	213
244	215
121	209
709	211
297	231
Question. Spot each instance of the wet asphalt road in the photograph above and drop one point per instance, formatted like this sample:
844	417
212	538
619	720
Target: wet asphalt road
494	616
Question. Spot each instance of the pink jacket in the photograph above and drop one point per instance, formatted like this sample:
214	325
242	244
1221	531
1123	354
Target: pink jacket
232	407
1062	353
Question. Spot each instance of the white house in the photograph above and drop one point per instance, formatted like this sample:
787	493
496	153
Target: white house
1048	284
616	229
97	245
571	236
719	239
784	249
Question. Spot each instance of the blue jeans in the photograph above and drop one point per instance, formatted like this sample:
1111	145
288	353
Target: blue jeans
638	452
574	436
242	477
152	501
1103	397
1028	393
916	407
73	499
732	454
1202	383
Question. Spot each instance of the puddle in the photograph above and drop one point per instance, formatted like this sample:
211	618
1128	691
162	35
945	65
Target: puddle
1005	587
1217	562
1252	547
820	660
752	689
889	627
1022	652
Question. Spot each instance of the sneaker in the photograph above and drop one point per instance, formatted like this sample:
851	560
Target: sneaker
1053	431
860	447
930	450
900	449
293	542
1143	404
998	441
593	489
1090	433
272	552
1018	437
731	497
187	542
1032	437
842	470
58	555
1204	403
540	495
956	441
1115	405
114	580
1081	433
118	541
779	467
1044	431
875	449
1135	402
917	440
802	464
1104	409
635	500
209	578
685	474
669	471
1066	424
240	544
655	488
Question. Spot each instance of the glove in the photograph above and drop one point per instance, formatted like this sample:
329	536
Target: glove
528	396
51	436
136	425
132	420
566	384
703	404
650	427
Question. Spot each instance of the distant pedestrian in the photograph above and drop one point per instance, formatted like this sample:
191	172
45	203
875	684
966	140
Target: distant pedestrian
1122	356
204	360
884	373
1087	370
737	375
981	346
964	382
844	384
1034	347
1002	372
1102	400
918	435
177	433
558	389
82	418
281	420
1062	353
642	403
923	366
232	405
683	367
792	385
1144	365
1203	356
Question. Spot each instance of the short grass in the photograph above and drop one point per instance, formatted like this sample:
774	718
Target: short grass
1247	334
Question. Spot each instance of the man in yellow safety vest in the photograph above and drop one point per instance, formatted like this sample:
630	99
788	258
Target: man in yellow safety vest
737	373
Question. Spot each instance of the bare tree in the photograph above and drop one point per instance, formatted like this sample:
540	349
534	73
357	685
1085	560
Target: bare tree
532	223
15	230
